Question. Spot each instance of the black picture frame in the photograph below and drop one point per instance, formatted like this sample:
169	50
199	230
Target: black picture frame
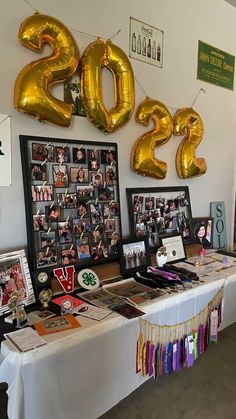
133	246
156	212
203	228
40	195
175	248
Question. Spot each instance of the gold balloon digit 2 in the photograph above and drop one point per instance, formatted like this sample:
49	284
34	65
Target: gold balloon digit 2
143	160
188	121
32	85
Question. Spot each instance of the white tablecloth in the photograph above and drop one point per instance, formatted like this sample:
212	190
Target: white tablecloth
82	373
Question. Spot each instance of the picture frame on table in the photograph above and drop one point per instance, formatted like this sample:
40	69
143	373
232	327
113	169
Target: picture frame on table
203	228
134	255
174	248
158	212
15	278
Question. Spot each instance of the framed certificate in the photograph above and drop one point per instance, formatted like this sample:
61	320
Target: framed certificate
174	248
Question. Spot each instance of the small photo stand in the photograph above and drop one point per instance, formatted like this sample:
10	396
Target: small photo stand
202	228
174	248
15	277
134	255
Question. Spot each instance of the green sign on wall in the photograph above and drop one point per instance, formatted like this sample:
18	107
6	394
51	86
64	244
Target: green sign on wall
215	66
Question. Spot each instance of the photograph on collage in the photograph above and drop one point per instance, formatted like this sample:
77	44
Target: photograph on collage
62	154
79	155
46	258
53	214
39	172
42	152
64	232
48	239
68	255
60	176
78	175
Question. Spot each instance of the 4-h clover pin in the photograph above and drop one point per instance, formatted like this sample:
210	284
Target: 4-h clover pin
88	279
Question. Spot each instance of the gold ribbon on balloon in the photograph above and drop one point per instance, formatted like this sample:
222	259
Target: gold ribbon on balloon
188	121
32	85
103	53
143	160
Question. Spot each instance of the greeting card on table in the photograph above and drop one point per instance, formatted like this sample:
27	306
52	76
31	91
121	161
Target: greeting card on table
75	302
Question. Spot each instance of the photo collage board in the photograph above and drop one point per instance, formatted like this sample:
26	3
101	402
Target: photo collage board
158	212
72	201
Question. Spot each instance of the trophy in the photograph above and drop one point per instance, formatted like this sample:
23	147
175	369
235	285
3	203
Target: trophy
15	298
44	297
21	317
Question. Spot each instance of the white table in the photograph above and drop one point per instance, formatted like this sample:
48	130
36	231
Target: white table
82	373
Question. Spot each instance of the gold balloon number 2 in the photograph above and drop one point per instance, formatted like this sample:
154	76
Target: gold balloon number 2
143	160
32	85
187	164
186	120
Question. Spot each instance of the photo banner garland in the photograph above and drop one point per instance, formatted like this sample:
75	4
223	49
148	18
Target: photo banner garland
164	349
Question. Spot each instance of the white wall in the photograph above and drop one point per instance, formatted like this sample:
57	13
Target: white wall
184	22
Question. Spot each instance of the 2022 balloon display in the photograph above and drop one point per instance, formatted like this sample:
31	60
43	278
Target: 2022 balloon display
32	96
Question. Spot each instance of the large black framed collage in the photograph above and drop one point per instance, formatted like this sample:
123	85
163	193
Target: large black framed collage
72	204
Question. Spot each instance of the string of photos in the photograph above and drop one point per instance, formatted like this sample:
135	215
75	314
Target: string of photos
163	349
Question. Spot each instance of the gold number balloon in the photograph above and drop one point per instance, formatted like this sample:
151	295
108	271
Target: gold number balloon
103	53
32	85
188	121
143	160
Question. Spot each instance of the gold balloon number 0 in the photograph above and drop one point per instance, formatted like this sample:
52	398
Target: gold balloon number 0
103	53
143	160
32	85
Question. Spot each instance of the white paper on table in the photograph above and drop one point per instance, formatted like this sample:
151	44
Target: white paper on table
25	339
92	312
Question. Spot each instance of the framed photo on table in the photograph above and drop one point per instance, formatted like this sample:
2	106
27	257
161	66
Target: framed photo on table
134	255
156	212
202	228
72	205
15	279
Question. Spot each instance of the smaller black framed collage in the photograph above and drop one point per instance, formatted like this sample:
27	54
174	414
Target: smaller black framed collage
72	201
161	211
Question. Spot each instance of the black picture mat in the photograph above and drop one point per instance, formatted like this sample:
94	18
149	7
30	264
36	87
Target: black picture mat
26	150
159	193
124	270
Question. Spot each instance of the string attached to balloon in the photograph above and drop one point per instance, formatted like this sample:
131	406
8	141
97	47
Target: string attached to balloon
201	90
32	7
